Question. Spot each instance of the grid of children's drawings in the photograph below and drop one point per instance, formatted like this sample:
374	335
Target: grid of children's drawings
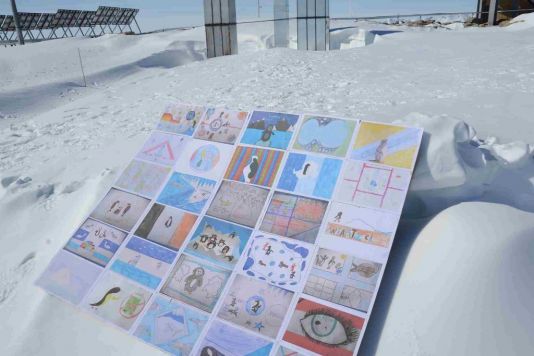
242	233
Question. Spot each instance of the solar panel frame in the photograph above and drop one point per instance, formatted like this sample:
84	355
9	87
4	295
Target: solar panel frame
108	19
84	20
127	21
123	13
98	16
28	20
2	34
55	20
35	21
115	16
66	17
45	21
9	24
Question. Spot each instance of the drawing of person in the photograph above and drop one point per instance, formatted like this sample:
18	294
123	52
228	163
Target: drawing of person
337	218
114	205
332	262
128	206
321	259
118	209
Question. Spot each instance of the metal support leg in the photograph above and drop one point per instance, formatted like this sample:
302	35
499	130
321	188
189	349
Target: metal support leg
220	26
313	25
479	9
492	16
136	24
281	23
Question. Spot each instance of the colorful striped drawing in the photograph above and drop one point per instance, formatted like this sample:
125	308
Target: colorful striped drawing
254	165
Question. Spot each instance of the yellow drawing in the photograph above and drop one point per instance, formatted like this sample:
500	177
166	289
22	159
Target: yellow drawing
386	144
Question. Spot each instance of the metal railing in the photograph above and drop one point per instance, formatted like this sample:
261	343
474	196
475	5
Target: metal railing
474	14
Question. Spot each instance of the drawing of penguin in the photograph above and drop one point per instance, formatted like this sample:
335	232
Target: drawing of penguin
265	139
194	280
250	171
309	170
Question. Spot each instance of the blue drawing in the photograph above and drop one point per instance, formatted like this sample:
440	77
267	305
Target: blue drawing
143	262
310	175
275	261
186	192
223	339
270	129
171	326
218	241
205	158
325	135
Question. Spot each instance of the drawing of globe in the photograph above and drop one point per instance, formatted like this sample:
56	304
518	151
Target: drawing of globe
205	158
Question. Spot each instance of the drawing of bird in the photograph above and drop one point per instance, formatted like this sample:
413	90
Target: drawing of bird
250	171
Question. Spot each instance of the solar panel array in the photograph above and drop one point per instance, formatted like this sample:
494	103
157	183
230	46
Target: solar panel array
69	23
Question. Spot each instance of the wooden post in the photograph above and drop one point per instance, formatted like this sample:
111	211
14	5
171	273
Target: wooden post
313	25
220	24
281	23
492	16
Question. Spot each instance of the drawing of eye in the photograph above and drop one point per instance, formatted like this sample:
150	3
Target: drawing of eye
325	327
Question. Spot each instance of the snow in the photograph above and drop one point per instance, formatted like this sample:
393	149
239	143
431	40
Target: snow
466	286
521	22
460	264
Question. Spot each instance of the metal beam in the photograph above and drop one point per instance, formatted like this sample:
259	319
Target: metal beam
17	22
281	23
492	16
313	25
480	5
220	25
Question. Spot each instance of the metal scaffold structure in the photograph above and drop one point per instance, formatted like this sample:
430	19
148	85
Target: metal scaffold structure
69	23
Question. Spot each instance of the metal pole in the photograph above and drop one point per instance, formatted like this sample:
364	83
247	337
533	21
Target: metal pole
17	22
492	17
81	66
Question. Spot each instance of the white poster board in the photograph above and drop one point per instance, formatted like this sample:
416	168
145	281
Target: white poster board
243	233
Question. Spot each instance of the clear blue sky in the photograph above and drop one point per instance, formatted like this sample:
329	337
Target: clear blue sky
175	13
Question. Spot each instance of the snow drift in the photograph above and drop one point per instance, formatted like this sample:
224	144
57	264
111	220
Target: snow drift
459	274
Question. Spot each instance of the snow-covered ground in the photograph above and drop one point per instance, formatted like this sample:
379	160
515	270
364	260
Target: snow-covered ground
459	280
